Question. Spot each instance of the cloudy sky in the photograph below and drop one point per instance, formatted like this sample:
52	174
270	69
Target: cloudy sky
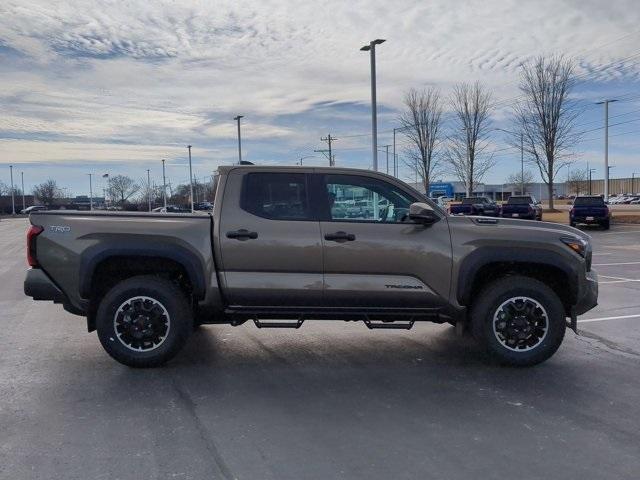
115	86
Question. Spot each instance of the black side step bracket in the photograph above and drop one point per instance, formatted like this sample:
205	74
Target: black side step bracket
278	323
390	325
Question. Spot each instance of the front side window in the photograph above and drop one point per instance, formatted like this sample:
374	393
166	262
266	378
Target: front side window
277	196
354	198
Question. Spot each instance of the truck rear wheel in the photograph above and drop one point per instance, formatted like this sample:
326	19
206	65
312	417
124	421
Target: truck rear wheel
144	321
519	320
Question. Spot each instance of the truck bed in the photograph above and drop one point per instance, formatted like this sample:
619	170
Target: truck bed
73	243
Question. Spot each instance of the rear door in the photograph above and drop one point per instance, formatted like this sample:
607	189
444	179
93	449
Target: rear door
269	237
374	257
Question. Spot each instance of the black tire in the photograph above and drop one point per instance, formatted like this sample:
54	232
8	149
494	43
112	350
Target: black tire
500	291
172	325
606	224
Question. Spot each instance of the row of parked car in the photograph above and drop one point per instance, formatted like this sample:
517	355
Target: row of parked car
626	199
517	206
587	209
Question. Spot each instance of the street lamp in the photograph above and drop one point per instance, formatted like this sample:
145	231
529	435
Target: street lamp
591	170
13	200
191	174
24	206
149	188
302	158
237	119
606	145
90	192
164	186
371	48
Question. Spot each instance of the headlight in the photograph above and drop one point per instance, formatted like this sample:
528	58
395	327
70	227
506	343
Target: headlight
578	245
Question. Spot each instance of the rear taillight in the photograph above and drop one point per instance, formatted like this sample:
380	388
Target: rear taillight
32	233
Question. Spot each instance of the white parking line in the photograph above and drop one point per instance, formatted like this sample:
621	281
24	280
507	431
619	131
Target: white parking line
604	319
621	233
619	263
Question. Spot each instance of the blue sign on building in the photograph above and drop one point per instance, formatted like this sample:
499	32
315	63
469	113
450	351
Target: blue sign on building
440	189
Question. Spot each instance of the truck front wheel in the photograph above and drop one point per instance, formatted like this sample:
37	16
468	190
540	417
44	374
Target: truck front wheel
520	320
144	321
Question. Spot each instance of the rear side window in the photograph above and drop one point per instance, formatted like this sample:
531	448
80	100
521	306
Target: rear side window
277	196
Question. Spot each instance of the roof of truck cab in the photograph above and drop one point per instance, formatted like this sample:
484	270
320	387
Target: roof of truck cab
303	168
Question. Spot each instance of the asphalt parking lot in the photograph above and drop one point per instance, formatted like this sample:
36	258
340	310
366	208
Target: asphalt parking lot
331	400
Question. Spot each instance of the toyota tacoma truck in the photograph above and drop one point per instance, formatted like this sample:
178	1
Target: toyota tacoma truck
277	251
482	206
522	206
590	210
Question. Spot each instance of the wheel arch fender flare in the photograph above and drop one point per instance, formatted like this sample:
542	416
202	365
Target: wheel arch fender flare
143	247
472	264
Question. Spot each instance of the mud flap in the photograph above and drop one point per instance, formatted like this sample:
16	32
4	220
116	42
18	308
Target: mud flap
573	321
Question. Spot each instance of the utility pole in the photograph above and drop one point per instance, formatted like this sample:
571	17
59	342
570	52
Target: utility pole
191	174
237	119
606	103
371	48
13	200
149	188
24	206
329	139
395	173
521	163
164	186
90	192
386	147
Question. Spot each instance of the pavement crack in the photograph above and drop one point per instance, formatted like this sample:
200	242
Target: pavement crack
608	343
208	442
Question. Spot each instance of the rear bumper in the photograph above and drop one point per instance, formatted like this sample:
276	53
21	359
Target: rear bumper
39	286
588	294
589	219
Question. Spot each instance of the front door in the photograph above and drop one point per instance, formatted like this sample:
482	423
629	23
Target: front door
269	240
374	256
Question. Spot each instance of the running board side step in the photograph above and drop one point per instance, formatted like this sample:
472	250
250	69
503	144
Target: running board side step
278	323
391	325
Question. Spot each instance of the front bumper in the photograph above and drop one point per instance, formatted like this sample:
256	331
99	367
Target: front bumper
588	294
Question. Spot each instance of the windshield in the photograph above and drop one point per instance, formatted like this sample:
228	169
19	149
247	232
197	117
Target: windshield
519	200
589	202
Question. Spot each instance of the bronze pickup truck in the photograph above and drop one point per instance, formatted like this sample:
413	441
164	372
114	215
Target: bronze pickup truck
289	244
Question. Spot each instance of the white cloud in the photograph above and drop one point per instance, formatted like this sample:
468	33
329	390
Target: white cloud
160	73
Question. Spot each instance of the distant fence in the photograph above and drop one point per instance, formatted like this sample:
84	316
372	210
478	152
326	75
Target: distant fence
616	185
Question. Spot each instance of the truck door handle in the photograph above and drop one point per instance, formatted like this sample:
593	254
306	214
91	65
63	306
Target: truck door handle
242	234
340	237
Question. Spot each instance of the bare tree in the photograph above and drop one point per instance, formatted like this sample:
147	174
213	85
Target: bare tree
421	122
120	188
521	180
47	192
578	181
4	188
546	115
466	152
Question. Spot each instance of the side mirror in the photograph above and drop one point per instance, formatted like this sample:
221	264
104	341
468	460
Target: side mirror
420	212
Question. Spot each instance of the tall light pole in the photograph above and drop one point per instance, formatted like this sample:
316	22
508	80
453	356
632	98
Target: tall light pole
591	170
164	186
633	188
237	119
90	192
302	158
24	206
371	48
521	163
13	200
606	103
149	188
386	147
191	174
395	172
